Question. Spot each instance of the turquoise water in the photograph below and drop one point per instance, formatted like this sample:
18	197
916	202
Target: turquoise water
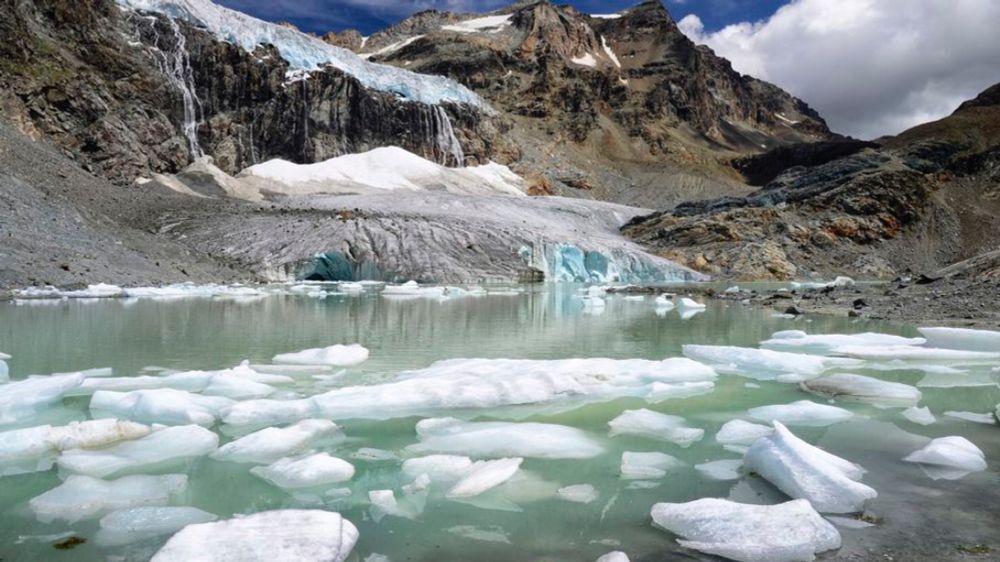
546	322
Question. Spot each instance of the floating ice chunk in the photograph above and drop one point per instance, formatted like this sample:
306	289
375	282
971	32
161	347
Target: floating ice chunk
166	446
615	556
795	340
728	469
384	503
318	469
656	426
645	466
162	405
352	288
83	497
803	412
34	449
806	472
688	304
238	383
739	432
491	533
271	444
135	524
412	289
269	536
479	383
504	439
962	338
26	398
764	364
789	532
665	302
336	355
440	468
922	416
484	475
577	493
369	454
957	456
975	417
840	281
660	391
865	389
913	353
593	305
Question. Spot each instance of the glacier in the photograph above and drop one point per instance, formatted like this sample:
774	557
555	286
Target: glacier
304	52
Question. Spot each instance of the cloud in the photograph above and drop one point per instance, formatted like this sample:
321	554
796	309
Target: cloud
870	67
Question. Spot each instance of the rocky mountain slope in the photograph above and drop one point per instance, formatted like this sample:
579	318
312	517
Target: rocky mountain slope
621	107
919	201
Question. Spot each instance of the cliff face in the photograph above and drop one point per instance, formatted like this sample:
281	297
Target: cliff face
127	94
918	201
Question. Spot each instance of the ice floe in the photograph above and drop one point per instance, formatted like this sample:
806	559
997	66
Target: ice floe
84	497
788	532
26	398
136	524
647	465
962	338
914	353
437	467
336	355
34	449
480	383
484	475
578	493
239	383
503	439
318	469
802	412
921	416
162	405
803	471
614	556
974	417
739	432
954	457
864	389
271	444
164	447
655	425
764	364
799	341
384	503
727	469
660	391
268	536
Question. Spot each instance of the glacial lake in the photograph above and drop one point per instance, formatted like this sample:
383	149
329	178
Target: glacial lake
916	516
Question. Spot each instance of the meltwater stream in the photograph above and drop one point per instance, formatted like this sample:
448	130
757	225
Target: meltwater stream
916	516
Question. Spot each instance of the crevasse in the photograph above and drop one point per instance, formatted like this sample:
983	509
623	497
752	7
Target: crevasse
304	52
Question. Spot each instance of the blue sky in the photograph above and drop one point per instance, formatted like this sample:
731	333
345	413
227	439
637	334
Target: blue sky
370	15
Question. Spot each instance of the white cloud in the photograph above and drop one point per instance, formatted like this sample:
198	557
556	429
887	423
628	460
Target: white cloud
870	67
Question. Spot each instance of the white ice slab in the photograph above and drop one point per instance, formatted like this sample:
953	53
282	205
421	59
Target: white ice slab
921	416
789	532
440	468
865	389
269	536
956	455
688	304
34	449
803	412
647	465
803	471
135	524
913	353
962	338
661	391
161	405
479	383
614	556
319	469
727	469
83	497
26	398
655	425
578	493
974	417
739	432
484	475
503	439
801	342
336	355
764	364
271	444
167	446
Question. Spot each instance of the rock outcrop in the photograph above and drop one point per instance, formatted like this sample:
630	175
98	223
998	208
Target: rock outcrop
918	201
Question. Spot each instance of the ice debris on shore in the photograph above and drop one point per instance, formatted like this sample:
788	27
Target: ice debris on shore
788	532
803	471
268	536
336	355
655	425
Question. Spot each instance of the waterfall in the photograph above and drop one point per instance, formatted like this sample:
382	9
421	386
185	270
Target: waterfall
175	64
445	138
